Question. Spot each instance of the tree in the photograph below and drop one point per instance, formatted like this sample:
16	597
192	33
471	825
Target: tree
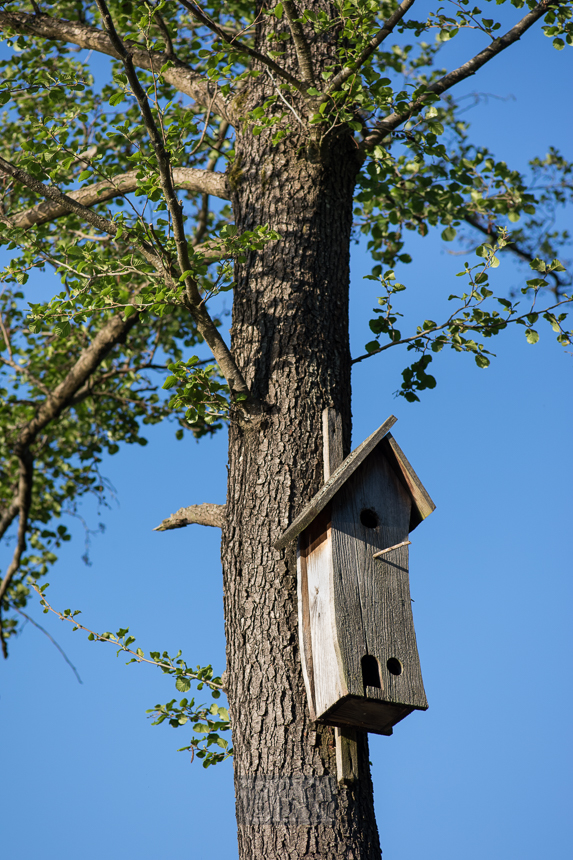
325	131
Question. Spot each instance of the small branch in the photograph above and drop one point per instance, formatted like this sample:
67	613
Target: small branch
204	19
189	178
136	655
282	98
52	640
374	43
514	248
202	515
452	320
392	121
301	45
390	548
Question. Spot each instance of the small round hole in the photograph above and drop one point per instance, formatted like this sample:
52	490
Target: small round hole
369	518
394	666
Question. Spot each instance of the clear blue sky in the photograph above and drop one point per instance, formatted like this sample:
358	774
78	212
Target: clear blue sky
486	771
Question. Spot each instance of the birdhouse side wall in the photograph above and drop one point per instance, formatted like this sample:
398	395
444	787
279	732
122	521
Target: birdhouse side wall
322	668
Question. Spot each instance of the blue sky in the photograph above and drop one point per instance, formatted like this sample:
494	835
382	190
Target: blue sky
486	770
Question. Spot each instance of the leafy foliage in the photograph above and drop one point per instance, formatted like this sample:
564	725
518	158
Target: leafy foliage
106	193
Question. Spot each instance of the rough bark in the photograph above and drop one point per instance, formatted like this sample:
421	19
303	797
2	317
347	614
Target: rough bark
203	515
290	339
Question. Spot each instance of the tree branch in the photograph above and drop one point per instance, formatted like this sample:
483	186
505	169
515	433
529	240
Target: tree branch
301	45
204	19
392	121
195	303
203	515
24	501
374	43
179	75
204	181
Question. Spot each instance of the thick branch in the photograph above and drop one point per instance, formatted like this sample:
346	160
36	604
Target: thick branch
112	333
24	501
374	43
179	75
8	516
202	515
301	45
204	181
200	16
392	121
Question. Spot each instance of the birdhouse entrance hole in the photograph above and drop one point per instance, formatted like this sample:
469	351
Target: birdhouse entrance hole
369	518
394	666
371	672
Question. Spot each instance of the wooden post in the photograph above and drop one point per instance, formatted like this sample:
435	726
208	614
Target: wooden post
346	745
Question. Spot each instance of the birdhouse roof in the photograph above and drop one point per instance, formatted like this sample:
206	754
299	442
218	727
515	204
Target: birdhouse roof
422	505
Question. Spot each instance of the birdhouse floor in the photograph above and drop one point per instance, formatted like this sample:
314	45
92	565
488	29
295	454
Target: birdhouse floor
366	715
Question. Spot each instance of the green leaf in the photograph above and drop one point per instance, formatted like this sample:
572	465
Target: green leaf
531	335
182	684
449	234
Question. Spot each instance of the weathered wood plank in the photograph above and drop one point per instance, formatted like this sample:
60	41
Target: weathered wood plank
333	455
334	483
346	754
328	673
422	501
332	452
304	634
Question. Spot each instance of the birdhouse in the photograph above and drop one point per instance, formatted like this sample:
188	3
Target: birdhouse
357	640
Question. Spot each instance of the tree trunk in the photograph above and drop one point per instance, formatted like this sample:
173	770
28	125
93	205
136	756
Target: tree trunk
290	339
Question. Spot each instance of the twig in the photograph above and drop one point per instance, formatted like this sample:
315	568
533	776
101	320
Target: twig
52	640
390	548
205	324
137	658
282	98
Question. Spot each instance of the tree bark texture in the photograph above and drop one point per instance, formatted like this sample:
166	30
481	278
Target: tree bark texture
290	339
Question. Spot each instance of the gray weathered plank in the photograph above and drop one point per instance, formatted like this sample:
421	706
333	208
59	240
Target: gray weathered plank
422	501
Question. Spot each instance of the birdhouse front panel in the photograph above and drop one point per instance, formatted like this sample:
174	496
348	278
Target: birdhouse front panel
371	513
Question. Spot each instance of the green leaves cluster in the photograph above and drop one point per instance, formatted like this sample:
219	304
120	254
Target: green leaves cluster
476	317
208	723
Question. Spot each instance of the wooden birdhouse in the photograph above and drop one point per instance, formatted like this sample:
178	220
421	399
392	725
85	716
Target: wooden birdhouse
359	654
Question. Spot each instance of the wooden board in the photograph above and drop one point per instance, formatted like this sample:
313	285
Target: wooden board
324	679
366	715
372	596
422	505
